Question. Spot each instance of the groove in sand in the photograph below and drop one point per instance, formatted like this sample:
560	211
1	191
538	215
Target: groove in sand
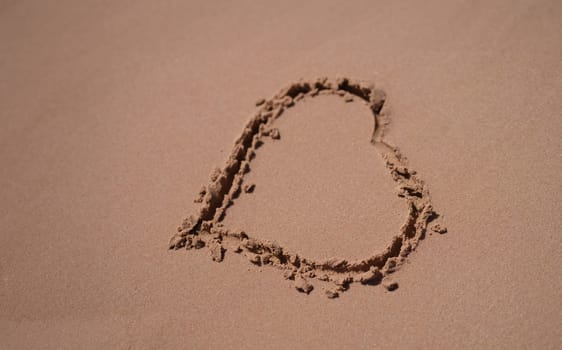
206	230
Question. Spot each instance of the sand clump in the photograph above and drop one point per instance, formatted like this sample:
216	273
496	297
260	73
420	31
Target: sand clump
331	294
205	228
390	285
303	286
439	228
249	188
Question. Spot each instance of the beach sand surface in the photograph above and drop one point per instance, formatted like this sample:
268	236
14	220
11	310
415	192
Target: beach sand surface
113	115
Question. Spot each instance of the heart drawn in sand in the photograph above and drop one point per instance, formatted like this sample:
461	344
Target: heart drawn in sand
205	229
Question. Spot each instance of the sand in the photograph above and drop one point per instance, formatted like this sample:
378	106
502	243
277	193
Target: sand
207	227
114	114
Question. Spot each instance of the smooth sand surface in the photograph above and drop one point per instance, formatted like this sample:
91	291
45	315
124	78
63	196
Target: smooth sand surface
114	114
322	190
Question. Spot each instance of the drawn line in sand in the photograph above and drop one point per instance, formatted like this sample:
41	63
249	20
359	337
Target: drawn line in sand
205	229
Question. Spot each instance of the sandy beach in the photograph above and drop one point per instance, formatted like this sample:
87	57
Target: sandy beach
363	175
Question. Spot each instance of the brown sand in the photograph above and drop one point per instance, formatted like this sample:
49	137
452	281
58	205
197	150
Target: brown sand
206	228
114	114
322	167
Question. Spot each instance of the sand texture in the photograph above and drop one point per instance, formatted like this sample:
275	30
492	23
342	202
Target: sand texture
206	228
408	200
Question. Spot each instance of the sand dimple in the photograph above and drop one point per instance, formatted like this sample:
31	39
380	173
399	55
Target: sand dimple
308	184
206	228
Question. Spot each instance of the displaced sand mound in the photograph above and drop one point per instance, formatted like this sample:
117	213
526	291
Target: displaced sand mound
205	229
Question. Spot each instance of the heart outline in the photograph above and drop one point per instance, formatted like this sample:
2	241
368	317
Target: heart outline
204	229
